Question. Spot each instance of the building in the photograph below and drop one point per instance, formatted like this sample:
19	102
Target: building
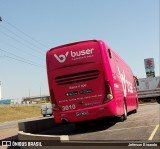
36	99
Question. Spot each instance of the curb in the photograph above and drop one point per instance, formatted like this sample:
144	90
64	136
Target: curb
33	126
29	136
35	141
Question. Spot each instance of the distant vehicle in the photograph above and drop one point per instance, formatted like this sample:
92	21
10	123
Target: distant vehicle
46	109
88	80
6	101
149	88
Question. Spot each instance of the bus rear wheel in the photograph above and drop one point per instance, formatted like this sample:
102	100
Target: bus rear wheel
135	111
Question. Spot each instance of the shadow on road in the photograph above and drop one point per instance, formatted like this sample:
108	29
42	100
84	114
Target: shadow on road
81	128
158	100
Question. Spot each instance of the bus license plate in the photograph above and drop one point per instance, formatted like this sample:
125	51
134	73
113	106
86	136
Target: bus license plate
82	113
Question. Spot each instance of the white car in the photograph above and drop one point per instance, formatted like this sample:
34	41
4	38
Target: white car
46	109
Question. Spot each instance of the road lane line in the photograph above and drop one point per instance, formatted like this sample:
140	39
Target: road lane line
21	120
127	128
142	115
153	133
131	121
8	127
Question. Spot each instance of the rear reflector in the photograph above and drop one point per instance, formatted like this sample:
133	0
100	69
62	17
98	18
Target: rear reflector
109	96
108	92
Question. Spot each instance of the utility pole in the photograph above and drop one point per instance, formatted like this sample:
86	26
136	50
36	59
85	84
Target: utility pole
29	92
0	81
0	91
40	94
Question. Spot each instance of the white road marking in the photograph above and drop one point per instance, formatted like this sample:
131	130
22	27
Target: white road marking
64	138
131	121
153	133
139	116
145	104
128	128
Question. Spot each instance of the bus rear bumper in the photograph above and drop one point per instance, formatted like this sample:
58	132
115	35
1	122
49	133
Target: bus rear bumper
86	114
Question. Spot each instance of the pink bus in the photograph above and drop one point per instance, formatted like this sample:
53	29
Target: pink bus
88	80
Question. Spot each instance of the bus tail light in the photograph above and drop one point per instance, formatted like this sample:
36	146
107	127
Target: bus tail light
53	101
108	92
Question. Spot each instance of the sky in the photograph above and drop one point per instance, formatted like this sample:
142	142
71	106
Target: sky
29	28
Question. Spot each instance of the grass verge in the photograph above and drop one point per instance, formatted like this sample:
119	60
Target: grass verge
16	112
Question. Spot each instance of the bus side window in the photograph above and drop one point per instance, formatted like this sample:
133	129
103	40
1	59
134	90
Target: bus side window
137	82
109	52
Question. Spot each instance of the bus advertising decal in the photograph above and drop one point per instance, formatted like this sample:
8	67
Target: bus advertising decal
125	83
88	53
80	98
71	93
78	86
80	92
86	91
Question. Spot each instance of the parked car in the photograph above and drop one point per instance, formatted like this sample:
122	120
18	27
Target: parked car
46	109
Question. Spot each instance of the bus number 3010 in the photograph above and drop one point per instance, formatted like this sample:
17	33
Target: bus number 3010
68	107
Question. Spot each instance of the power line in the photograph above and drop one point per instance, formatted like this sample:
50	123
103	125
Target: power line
25	34
16	57
20	37
22	43
21	59
27	53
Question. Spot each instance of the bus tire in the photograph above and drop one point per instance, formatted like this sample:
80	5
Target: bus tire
124	116
135	111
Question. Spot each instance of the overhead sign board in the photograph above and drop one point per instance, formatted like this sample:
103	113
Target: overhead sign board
149	67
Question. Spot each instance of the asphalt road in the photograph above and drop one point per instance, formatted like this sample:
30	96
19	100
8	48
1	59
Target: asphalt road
8	130
140	126
15	123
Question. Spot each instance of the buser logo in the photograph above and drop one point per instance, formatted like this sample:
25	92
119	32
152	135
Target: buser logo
61	58
82	52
